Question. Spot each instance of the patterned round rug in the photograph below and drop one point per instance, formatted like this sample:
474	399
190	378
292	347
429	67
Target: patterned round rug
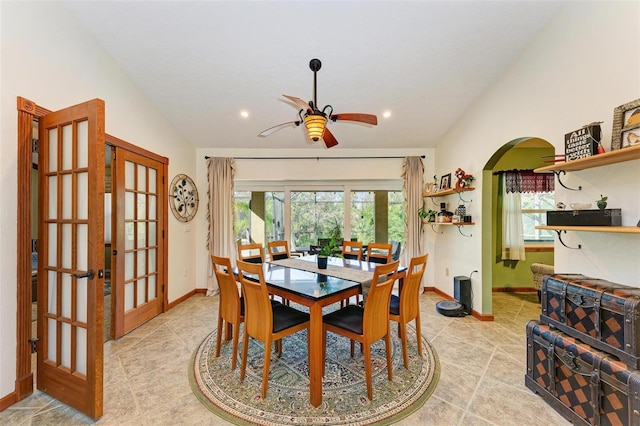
344	390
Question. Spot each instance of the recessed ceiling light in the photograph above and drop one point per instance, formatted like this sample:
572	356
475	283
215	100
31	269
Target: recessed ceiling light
244	114
386	114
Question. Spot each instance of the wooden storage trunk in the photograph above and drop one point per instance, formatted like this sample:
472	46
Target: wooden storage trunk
600	313
585	385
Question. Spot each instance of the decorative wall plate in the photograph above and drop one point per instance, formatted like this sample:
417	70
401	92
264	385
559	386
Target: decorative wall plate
183	198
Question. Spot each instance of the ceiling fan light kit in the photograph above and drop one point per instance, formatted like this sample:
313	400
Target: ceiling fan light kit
315	120
315	124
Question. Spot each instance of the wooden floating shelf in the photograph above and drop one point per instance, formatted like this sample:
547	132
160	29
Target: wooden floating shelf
611	157
446	192
613	229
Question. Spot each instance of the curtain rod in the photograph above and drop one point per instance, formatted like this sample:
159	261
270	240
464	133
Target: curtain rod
206	157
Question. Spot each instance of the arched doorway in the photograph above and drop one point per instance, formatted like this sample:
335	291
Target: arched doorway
497	275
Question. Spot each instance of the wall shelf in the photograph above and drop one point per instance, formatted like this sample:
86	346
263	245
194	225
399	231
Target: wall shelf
611	157
610	229
458	224
446	192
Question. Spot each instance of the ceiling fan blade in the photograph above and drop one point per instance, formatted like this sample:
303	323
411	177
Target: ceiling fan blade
278	127
302	104
329	139
355	116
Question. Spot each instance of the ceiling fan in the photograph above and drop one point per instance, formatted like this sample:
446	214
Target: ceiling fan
315	119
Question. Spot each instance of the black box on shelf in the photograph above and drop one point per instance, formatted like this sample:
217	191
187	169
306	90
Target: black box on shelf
582	143
606	217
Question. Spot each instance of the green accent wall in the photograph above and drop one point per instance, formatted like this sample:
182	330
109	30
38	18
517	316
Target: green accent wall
514	273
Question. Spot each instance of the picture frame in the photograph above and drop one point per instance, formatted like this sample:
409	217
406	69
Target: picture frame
626	125
445	182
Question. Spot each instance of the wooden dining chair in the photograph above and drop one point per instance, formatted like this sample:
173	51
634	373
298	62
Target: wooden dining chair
264	321
251	252
230	305
379	253
366	324
406	307
352	250
278	250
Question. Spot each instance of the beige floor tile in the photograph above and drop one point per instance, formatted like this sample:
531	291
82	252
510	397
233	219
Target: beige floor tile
481	380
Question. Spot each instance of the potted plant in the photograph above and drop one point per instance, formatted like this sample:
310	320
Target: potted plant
427	214
602	202
325	251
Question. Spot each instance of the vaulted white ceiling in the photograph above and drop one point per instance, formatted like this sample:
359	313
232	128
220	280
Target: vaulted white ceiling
203	62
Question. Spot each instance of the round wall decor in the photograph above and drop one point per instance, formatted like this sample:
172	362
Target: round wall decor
183	198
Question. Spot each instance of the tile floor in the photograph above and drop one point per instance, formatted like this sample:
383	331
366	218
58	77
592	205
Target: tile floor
481	380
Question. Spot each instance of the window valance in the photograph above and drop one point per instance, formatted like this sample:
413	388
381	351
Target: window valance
528	181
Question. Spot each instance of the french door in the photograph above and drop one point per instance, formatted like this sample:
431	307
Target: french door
139	205
71	256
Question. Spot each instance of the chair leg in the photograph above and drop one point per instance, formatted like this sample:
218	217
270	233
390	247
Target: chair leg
219	336
352	344
419	333
236	334
245	346
265	369
324	349
367	370
387	342
403	338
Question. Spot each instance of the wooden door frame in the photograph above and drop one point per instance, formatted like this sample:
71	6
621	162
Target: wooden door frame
27	112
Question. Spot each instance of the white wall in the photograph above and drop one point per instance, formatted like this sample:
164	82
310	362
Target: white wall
582	66
47	58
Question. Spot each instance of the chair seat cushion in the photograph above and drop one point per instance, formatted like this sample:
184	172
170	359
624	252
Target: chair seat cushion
394	305
348	318
286	316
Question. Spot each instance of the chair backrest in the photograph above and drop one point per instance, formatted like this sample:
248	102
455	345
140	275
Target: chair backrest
252	253
379	253
258	316
375	323
229	305
409	303
323	241
278	250
396	249
352	250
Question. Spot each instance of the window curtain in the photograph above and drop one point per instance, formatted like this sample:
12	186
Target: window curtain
512	234
412	187
221	239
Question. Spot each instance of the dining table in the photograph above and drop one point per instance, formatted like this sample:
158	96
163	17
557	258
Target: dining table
300	280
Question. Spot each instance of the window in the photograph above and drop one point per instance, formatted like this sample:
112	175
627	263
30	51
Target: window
314	215
243	217
362	216
534	207
258	214
365	216
396	216
365	211
274	216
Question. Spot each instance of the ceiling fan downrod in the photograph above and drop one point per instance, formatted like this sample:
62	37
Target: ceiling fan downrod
315	66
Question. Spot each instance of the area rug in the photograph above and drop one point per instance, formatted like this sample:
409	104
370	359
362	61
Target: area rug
344	399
